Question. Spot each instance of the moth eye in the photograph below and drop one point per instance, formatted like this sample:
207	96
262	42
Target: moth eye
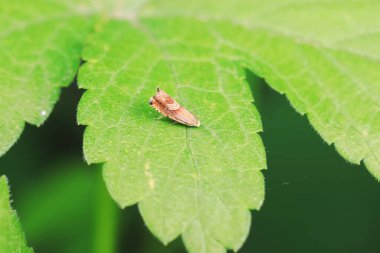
158	89
150	101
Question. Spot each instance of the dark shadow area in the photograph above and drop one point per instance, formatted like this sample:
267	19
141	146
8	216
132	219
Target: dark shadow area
136	237
59	137
315	200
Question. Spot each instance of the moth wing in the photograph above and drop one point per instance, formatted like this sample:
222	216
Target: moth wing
184	116
173	106
166	100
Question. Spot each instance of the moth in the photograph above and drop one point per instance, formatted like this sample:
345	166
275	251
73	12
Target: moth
167	106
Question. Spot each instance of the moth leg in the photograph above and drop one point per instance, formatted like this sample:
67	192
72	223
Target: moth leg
160	117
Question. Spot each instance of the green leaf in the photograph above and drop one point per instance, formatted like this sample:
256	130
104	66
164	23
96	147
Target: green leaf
323	55
40	45
12	239
198	182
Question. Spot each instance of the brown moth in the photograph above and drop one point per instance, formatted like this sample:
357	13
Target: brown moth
167	106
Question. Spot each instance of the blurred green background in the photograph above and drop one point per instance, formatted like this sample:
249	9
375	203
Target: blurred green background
315	201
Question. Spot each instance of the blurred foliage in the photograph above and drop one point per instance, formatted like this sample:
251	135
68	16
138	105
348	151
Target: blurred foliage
12	237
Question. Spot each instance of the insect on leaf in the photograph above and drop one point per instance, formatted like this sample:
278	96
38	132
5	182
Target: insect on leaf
168	107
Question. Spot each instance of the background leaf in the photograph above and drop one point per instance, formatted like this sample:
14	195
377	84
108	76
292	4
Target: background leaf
40	44
12	239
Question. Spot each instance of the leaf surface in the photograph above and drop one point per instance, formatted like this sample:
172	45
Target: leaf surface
198	182
12	239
